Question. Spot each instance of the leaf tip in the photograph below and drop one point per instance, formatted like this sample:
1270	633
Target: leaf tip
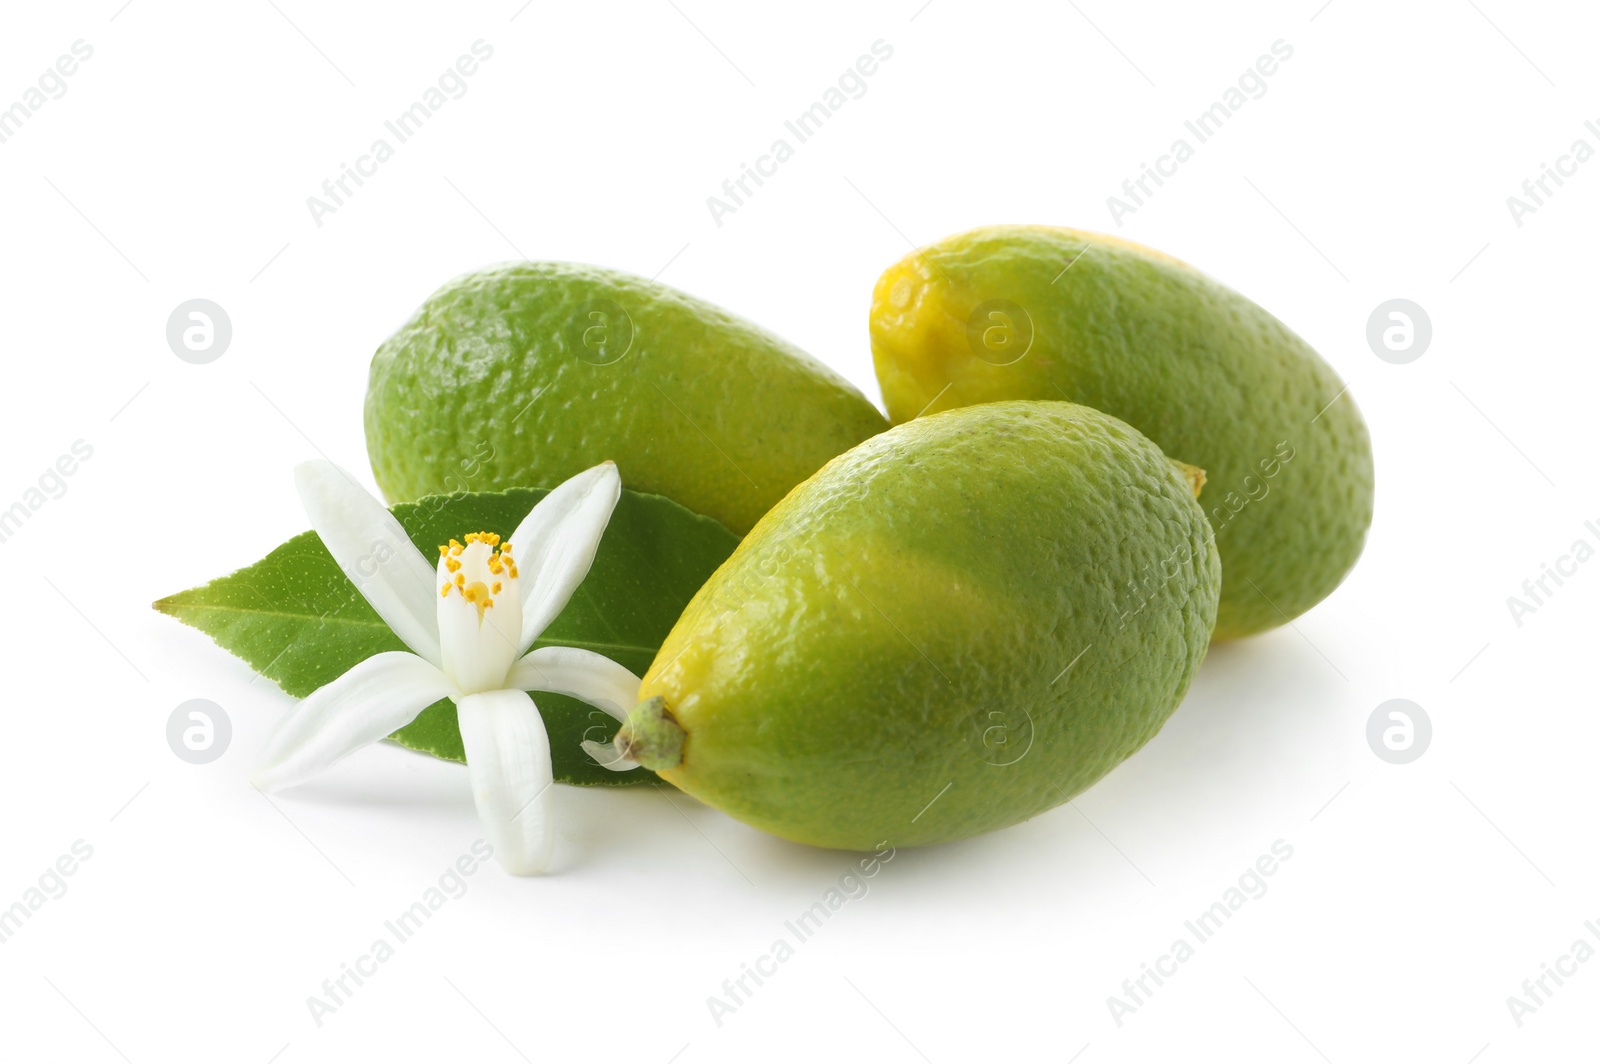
173	605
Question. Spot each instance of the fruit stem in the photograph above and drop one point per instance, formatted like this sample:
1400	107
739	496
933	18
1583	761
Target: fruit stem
1192	473
651	736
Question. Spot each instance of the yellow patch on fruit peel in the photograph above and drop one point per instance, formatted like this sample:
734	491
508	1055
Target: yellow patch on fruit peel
927	327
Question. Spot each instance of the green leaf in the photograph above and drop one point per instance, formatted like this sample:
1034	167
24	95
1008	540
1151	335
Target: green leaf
297	619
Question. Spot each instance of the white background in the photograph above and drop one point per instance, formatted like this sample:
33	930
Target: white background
177	165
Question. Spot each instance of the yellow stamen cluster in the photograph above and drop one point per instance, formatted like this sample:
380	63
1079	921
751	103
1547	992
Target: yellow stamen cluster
500	563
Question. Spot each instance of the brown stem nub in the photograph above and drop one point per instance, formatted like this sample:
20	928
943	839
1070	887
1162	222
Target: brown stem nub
651	736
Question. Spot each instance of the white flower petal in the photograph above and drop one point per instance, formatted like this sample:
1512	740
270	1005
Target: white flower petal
606	756
508	756
374	552
555	544
583	674
480	618
375	698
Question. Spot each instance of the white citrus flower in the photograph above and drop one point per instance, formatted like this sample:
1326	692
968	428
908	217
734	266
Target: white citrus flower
469	622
